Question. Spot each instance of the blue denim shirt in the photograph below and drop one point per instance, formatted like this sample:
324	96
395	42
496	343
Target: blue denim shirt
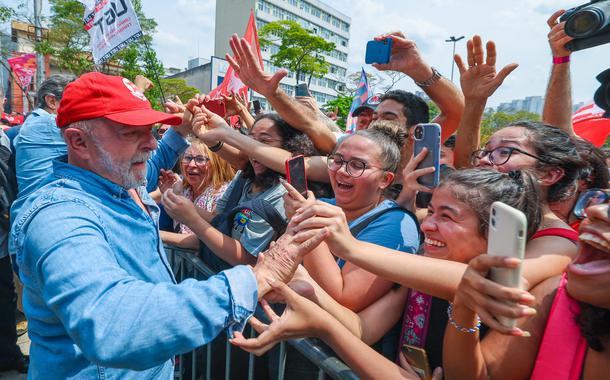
37	147
38	143
99	294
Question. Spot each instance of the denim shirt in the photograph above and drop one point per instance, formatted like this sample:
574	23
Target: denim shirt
37	147
38	143
99	294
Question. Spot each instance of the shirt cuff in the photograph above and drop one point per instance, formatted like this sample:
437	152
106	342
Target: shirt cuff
243	290
175	141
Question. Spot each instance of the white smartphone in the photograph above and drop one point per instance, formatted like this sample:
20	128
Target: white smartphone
507	237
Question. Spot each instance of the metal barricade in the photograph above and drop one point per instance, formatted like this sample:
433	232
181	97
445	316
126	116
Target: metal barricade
185	264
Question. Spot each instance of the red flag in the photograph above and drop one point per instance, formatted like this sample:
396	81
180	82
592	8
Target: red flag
231	81
24	68
590	124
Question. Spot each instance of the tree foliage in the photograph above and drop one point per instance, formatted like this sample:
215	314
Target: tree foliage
343	103
300	50
493	121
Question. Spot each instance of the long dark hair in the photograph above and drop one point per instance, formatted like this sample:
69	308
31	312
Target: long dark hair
594	323
269	177
557	150
479	188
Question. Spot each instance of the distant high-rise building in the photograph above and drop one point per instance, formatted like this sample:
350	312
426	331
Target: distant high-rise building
531	104
325	21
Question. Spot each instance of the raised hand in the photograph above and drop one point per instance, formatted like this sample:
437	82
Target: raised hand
293	200
301	318
170	180
180	208
281	260
246	66
480	80
235	104
321	215
557	36
489	299
410	175
405	56
207	125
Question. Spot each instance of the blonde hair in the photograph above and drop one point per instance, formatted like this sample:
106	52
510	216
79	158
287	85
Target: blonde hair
219	171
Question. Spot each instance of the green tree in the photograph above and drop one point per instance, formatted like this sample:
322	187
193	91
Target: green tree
343	103
300	50
433	110
493	121
178	86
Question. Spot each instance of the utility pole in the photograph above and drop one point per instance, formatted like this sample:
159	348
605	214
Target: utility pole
454	40
38	33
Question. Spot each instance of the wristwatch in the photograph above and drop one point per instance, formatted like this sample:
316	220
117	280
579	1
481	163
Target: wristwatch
430	81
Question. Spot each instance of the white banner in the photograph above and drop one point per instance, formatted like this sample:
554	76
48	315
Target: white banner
112	25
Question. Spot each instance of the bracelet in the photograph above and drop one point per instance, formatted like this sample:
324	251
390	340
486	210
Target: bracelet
216	147
430	81
459	328
560	60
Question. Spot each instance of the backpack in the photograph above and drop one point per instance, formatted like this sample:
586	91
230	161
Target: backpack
224	222
8	186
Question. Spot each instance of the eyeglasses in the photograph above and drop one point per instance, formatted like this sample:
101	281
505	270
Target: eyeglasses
354	167
590	198
499	155
199	160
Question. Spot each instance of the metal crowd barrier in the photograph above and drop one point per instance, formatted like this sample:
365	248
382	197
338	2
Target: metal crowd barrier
199	364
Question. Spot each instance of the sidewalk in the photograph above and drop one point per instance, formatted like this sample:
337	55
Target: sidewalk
24	343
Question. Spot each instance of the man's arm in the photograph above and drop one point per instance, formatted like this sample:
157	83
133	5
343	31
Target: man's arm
163	319
246	65
171	146
406	59
557	109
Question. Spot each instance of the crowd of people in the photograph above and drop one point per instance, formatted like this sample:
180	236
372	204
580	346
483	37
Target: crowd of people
103	182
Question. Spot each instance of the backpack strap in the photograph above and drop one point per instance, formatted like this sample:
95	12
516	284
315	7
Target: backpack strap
236	191
265	210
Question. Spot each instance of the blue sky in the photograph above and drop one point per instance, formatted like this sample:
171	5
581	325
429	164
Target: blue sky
186	29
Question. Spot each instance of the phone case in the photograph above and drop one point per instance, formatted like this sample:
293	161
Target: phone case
507	237
302	90
296	174
378	51
431	139
418	359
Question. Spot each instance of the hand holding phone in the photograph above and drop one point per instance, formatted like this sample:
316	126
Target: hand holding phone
378	51
506	237
296	174
428	136
418	360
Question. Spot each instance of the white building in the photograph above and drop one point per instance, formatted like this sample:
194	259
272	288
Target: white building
325	21
532	104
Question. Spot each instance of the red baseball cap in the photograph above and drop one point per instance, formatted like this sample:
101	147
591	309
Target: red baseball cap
115	98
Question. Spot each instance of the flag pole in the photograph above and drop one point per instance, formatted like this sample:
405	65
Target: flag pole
154	69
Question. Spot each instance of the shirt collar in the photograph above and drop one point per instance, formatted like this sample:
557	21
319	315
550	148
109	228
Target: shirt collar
87	178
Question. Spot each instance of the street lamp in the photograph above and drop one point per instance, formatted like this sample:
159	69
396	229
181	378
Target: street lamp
454	40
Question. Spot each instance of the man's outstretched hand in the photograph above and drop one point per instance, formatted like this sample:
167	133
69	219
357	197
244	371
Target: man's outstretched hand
282	258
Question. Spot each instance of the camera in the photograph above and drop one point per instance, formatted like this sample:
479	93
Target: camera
419	132
589	24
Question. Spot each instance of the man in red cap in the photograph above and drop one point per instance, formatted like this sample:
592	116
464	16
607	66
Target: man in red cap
99	294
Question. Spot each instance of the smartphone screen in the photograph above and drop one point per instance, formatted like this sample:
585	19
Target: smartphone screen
418	359
257	106
295	172
216	106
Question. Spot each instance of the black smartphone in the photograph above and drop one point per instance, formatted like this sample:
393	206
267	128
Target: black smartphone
296	175
257	106
302	90
378	51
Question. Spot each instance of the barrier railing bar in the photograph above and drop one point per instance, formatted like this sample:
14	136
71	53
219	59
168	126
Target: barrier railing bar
181	259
